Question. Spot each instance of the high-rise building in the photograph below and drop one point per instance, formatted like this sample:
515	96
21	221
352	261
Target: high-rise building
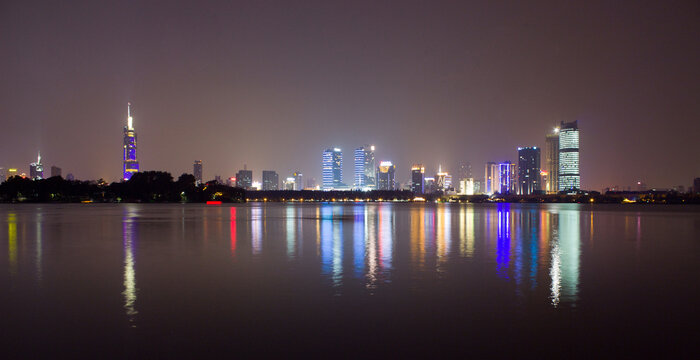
298	180
696	185
131	164
332	167
492	182
70	177
569	176
528	170
551	164
197	171
429	186
466	186
244	179
465	171
270	180
418	178
36	169
506	175
290	183
3	174
385	176
365	168
443	180
55	171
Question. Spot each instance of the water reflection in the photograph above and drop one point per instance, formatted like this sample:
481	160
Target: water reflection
564	269
129	238
12	242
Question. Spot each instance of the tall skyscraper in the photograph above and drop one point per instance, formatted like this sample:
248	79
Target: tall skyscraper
332	167
197	171
569	176
131	164
36	169
270	180
244	179
418	178
696	185
492	182
385	176
528	170
506	175
365	168
298	180
551	165
55	171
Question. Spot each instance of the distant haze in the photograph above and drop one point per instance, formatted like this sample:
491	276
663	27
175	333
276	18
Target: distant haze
271	84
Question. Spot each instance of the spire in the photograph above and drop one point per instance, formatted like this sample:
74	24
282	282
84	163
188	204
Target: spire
38	160
130	120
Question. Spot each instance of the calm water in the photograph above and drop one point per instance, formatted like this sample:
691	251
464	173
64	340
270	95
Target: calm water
343	280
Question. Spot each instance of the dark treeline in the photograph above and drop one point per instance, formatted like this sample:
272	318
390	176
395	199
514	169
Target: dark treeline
147	186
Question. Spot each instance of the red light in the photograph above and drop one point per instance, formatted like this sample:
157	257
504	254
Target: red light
211	202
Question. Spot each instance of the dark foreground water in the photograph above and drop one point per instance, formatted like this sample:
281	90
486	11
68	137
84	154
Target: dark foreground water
535	281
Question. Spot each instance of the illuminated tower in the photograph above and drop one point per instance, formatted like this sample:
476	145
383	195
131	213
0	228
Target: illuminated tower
417	178
131	164
551	164
197	170
506	175
385	176
492	180
365	168
332	169
36	170
569	177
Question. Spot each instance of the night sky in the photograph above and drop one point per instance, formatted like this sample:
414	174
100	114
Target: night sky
271	84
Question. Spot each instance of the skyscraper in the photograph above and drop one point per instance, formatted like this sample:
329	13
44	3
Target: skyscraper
36	170
569	177
270	180
492	182
551	165
385	176
417	178
131	164
528	170
298	180
197	170
332	168
55	171
365	168
244	179
506	175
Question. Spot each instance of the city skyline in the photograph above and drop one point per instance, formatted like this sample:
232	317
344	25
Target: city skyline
450	86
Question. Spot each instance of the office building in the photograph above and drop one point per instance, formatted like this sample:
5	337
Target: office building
696	185
429	186
528	170
197	171
332	168
290	183
569	177
55	171
551	165
131	163
298	180
385	176
365	169
466	186
506	175
270	180
36	169
417	178
491	179
244	179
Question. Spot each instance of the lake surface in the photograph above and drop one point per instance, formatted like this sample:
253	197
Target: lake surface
342	280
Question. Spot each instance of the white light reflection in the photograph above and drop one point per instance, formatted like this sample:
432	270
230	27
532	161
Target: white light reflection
565	264
290	220
256	229
130	290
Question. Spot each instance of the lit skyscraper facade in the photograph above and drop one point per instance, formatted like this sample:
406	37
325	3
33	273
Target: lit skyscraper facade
569	176
385	176
528	170
506	175
365	168
131	164
244	179
551	164
491	179
417	178
197	170
36	170
298	180
270	180
332	168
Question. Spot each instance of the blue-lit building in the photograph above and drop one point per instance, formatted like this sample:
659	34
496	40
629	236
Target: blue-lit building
131	164
569	176
506	175
528	170
365	168
332	168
